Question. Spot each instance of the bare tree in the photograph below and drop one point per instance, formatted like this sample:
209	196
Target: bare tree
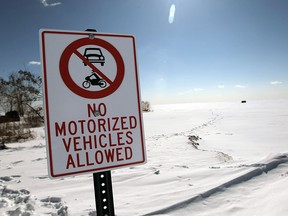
20	91
5	96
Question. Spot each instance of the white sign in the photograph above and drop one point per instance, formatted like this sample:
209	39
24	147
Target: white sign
93	114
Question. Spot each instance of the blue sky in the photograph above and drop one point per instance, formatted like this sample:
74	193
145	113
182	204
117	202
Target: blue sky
188	50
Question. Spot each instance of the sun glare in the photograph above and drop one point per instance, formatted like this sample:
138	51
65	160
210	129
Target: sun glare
172	13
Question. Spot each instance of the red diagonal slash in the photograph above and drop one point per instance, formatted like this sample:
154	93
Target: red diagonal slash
94	69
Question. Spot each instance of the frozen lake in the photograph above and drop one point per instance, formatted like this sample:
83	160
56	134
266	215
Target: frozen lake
203	159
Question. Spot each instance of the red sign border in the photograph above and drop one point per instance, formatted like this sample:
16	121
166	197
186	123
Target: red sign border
45	87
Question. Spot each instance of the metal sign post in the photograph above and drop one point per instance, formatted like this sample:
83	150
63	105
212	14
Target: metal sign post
103	193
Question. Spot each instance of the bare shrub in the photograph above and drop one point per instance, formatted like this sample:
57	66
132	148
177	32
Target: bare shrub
14	132
146	107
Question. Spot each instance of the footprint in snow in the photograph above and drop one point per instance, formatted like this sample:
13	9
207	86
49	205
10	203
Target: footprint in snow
6	178
55	202
17	162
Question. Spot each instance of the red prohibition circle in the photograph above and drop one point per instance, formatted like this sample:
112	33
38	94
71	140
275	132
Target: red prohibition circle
67	79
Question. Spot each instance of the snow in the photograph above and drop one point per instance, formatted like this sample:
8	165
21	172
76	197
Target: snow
240	167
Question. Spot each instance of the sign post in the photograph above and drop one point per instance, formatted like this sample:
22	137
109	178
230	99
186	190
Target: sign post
92	104
103	193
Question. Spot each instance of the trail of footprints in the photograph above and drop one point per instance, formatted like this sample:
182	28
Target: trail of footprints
21	202
215	117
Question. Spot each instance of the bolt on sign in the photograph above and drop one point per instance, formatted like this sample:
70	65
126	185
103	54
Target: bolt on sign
92	102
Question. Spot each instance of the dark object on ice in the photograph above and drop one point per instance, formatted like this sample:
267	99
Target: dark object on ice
157	172
193	140
244	101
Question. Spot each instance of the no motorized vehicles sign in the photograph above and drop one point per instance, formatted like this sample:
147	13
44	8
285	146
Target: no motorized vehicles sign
92	102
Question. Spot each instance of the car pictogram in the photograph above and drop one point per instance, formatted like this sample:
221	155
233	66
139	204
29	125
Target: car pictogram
94	55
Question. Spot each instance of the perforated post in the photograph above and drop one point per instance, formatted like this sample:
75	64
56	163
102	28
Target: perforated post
103	193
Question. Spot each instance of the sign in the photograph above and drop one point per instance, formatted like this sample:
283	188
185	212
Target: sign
92	102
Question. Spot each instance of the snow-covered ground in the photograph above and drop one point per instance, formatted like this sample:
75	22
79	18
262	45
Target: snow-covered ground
240	167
